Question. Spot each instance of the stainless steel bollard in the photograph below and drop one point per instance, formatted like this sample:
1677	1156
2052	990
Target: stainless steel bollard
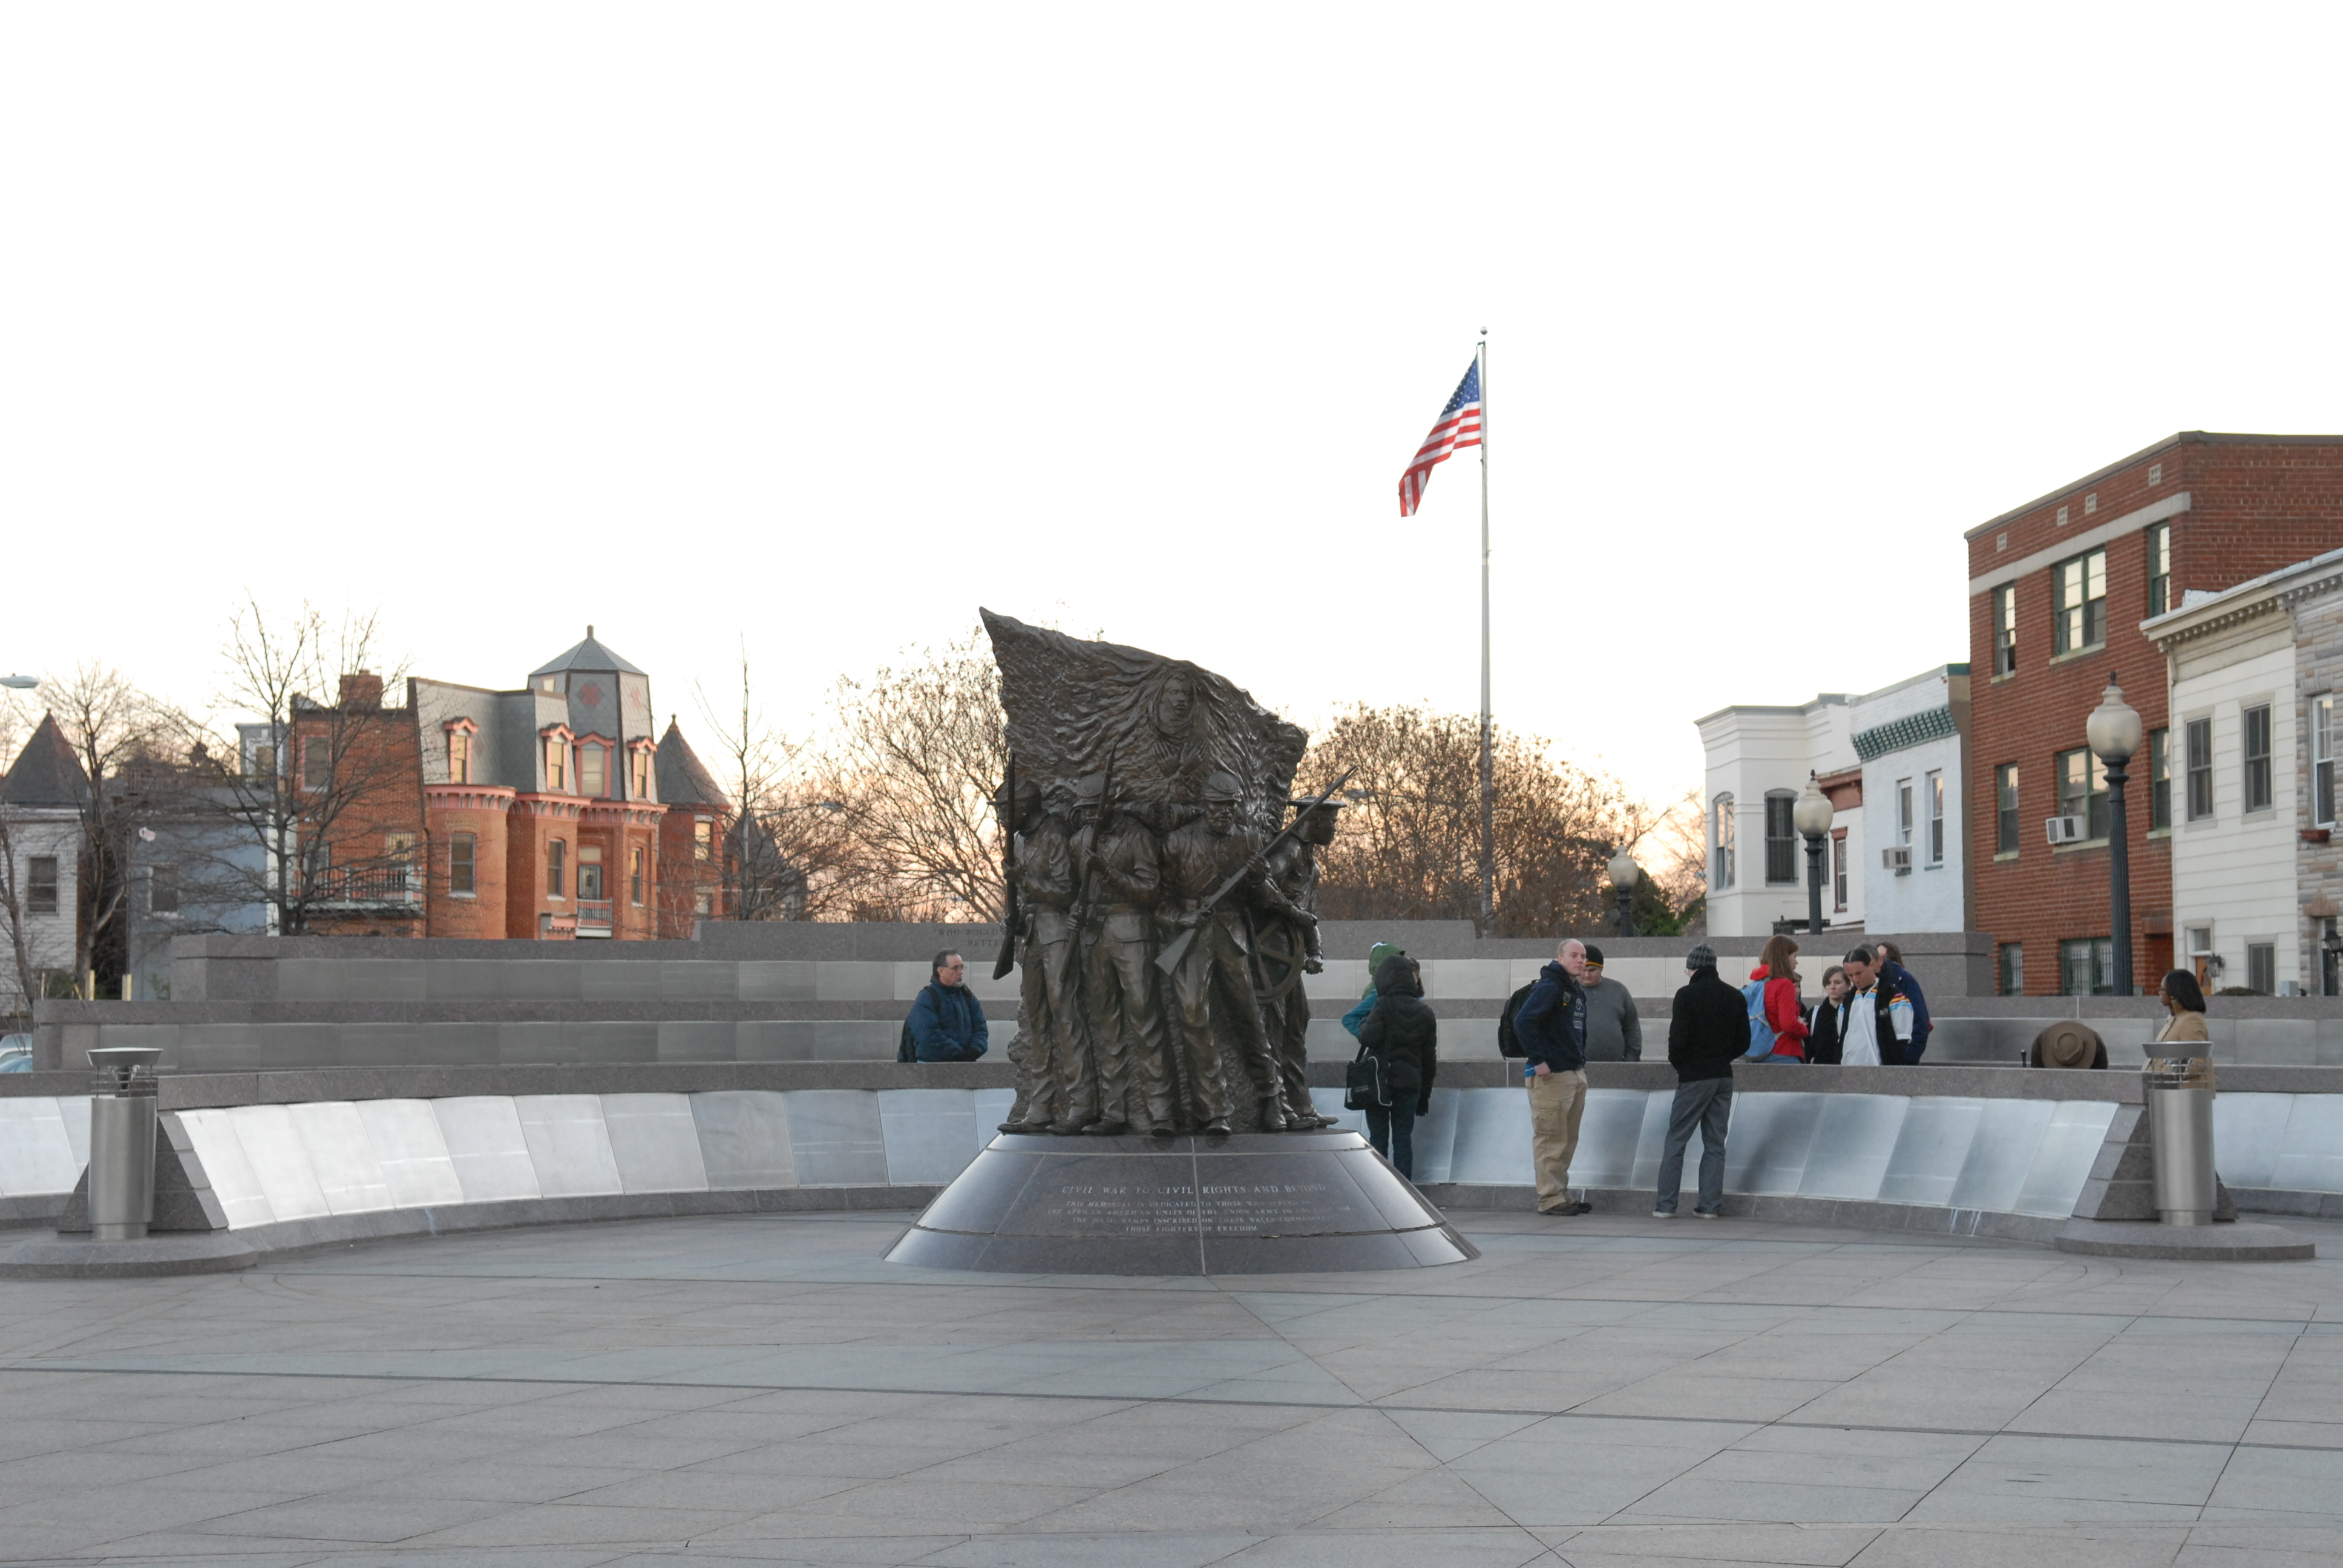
2180	1129
122	1141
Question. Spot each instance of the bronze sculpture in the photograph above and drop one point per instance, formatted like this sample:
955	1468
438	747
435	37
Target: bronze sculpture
1146	910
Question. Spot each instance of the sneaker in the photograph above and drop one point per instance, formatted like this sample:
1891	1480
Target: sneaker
1664	1213
1708	1213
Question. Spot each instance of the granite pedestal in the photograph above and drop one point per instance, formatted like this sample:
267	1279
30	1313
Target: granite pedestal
1245	1203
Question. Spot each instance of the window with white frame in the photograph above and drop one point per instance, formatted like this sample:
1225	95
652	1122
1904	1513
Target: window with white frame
1839	872
2257	737
1904	812
2200	770
1721	838
1933	793
2322	761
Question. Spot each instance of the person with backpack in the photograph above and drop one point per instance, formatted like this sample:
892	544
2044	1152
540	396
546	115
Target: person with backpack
1707	1030
1403	1037
1551	1025
1356	1017
947	1022
1778	1024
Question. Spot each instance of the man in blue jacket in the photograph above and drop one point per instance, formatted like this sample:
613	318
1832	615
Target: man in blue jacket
1552	1027
1894	976
947	1023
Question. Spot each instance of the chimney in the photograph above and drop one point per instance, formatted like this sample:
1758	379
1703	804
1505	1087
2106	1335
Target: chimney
363	689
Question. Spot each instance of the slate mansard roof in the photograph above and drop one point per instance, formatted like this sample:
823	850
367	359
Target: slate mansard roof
46	772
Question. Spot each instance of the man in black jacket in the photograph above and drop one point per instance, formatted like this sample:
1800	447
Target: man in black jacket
1709	1029
1552	1028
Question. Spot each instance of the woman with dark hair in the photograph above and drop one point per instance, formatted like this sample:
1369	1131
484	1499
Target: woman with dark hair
2185	1000
1401	1033
1827	1025
1778	1024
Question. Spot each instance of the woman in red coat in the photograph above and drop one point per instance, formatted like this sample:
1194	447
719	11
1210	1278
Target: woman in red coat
1773	992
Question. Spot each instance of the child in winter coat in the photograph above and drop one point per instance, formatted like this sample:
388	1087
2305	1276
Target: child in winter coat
1773	992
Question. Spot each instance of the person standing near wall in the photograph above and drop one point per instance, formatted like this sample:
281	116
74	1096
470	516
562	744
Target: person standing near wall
1897	978
1613	1032
1552	1028
947	1023
1402	1034
1707	1030
1878	1024
1772	996
1827	1025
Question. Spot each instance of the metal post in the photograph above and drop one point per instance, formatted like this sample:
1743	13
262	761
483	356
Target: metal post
2119	873
1488	774
1626	911
1813	884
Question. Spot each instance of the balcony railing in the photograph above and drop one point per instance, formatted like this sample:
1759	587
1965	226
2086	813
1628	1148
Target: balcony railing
374	884
594	917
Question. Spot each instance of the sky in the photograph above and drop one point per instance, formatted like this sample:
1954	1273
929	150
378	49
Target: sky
815	329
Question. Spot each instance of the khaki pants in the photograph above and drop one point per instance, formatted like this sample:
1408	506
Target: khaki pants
1557	1100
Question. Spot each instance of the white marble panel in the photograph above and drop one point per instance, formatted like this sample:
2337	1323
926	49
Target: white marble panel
234	1181
744	1139
1434	1137
2310	1153
342	1155
1652	1140
2001	1154
836	1138
280	1160
1608	1132
1338	986
992	1109
35	1155
74	1111
1854	1139
1476	980
1768	1140
412	1152
2070	1145
1493	1138
2247	1130
568	1144
930	1133
1931	1150
655	1143
486	1144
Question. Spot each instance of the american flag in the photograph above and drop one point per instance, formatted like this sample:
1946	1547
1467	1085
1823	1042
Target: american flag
1459	425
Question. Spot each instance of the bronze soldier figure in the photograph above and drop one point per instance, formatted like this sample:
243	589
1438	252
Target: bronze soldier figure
1056	1091
1119	862
1288	949
1215	1013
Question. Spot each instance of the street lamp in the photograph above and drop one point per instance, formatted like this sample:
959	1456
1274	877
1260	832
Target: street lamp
1811	815
2113	731
20	682
1625	875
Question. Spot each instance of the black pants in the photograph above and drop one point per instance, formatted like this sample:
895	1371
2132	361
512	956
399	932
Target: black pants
1392	1130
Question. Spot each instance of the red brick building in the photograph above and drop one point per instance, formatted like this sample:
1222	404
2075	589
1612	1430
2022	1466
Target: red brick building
525	814
2057	589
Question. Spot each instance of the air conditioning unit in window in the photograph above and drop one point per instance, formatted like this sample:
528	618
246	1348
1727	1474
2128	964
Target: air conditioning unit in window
2064	830
1897	860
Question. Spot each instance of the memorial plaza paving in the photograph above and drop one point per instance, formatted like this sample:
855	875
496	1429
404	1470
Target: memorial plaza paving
1606	1390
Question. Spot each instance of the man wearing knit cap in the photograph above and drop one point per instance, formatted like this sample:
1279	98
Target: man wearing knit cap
1707	1030
1613	1032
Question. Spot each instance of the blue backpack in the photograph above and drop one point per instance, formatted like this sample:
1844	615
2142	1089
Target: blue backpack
1761	1033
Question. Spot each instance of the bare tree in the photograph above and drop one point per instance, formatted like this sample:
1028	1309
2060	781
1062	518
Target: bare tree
787	851
917	752
1409	844
120	737
325	762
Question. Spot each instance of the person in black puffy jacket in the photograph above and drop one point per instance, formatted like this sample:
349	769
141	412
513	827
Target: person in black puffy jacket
1403	1036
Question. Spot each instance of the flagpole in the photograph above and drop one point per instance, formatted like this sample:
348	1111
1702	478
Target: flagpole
1488	778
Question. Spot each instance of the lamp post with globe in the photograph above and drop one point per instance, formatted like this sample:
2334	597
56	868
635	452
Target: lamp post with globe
1812	816
2114	733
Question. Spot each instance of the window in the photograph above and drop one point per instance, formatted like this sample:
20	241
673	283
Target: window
2078	603
704	904
264	762
41	885
1933	792
461	849
635	879
2200	953
459	757
557	773
163	889
1839	872
1781	838
2322	761
2087	967
1904	812
703	838
1721	836
590	770
639	787
2160	779
2261	967
2005	629
2200	768
2009	969
2083	790
557	865
2160	568
317	764
2258	756
399	848
590	870
2004	807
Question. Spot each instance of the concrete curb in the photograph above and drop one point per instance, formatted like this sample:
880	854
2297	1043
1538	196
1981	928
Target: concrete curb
2242	1243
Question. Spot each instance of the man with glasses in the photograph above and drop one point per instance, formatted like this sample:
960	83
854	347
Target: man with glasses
947	1023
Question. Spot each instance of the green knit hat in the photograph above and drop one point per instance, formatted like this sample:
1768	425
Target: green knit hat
1376	957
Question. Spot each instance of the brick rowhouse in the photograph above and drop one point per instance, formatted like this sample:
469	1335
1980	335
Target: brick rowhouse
2227	508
